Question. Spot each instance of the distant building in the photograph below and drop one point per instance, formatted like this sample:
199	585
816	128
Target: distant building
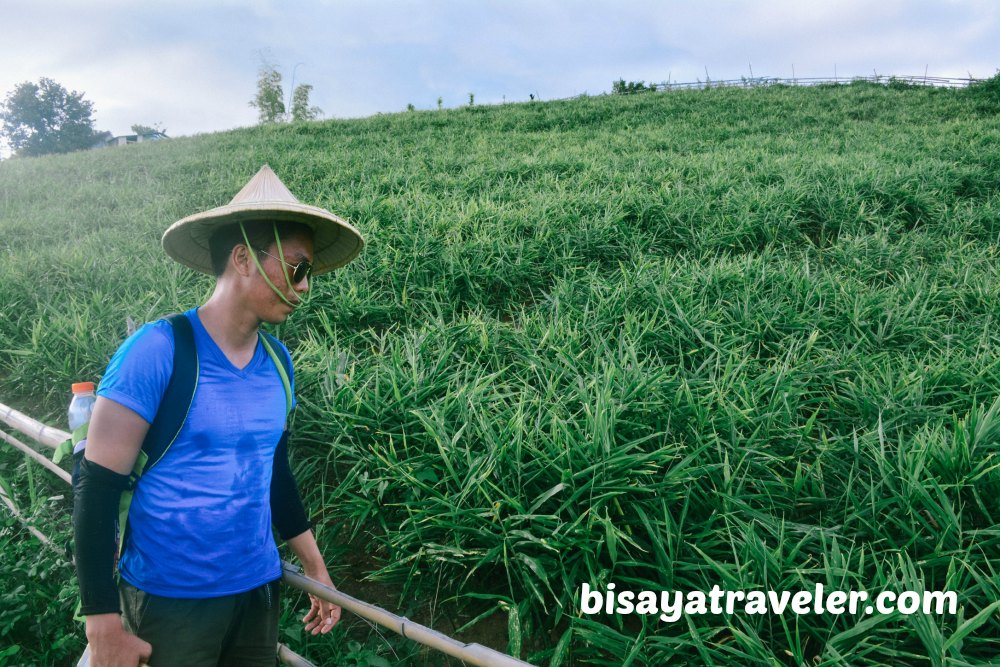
105	139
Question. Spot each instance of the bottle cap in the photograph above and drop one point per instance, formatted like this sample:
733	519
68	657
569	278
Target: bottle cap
83	387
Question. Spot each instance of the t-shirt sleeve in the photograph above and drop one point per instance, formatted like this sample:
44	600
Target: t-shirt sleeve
138	373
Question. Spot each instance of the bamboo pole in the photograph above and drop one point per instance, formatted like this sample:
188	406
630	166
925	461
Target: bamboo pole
32	428
475	654
39	458
288	657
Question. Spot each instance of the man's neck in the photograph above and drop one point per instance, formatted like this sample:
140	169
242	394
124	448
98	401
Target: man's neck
232	326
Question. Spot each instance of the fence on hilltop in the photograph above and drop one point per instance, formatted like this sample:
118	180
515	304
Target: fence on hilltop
621	87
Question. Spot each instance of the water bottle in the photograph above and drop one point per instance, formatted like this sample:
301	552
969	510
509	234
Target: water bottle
80	408
79	414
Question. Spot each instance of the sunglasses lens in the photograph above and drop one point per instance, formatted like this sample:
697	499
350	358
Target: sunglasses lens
302	270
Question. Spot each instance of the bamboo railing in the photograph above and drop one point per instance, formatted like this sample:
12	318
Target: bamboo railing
473	654
32	428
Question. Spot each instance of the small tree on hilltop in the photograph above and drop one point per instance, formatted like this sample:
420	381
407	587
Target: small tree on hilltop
623	87
301	110
148	129
268	100
44	117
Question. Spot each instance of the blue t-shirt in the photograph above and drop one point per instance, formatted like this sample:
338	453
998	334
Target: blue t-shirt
200	520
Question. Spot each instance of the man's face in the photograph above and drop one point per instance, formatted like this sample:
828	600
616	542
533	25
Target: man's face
295	248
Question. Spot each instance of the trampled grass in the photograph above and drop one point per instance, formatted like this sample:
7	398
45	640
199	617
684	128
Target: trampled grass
744	338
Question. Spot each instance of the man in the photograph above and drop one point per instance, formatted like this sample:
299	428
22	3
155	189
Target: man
199	566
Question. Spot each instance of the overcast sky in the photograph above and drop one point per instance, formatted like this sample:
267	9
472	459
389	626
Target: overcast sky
191	65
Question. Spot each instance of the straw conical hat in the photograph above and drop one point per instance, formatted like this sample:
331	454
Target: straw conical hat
335	242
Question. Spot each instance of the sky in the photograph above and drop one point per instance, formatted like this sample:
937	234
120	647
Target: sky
191	66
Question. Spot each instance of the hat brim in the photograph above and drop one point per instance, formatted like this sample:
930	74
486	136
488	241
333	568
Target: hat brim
335	241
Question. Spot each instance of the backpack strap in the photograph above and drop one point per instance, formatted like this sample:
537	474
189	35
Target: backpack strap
177	399
170	415
284	367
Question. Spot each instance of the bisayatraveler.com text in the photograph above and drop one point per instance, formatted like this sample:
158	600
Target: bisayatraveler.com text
671	605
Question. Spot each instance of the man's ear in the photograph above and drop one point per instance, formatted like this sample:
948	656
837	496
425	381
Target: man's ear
241	260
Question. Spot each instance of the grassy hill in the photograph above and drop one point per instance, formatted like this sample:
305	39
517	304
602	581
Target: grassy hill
745	338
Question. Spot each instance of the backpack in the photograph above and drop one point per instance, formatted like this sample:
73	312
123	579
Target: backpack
173	410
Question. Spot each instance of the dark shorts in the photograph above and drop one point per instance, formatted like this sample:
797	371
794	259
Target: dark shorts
234	630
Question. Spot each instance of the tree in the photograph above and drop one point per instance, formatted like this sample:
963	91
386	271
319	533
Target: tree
300	104
269	98
40	118
622	87
148	129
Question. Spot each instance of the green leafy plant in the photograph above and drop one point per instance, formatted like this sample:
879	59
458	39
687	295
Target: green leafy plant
756	350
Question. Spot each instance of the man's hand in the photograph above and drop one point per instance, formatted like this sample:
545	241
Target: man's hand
322	615
111	646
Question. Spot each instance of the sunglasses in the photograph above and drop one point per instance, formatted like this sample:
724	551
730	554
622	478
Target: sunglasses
299	271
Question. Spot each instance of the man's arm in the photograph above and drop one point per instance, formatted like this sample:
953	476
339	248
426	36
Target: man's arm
323	615
289	517
114	438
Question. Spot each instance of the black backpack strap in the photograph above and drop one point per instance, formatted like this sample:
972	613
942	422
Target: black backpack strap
179	395
170	415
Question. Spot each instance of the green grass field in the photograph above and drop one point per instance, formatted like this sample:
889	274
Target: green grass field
745	338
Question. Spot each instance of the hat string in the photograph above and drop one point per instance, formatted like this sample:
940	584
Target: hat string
284	269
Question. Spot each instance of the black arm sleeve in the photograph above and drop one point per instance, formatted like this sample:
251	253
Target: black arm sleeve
95	512
287	511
